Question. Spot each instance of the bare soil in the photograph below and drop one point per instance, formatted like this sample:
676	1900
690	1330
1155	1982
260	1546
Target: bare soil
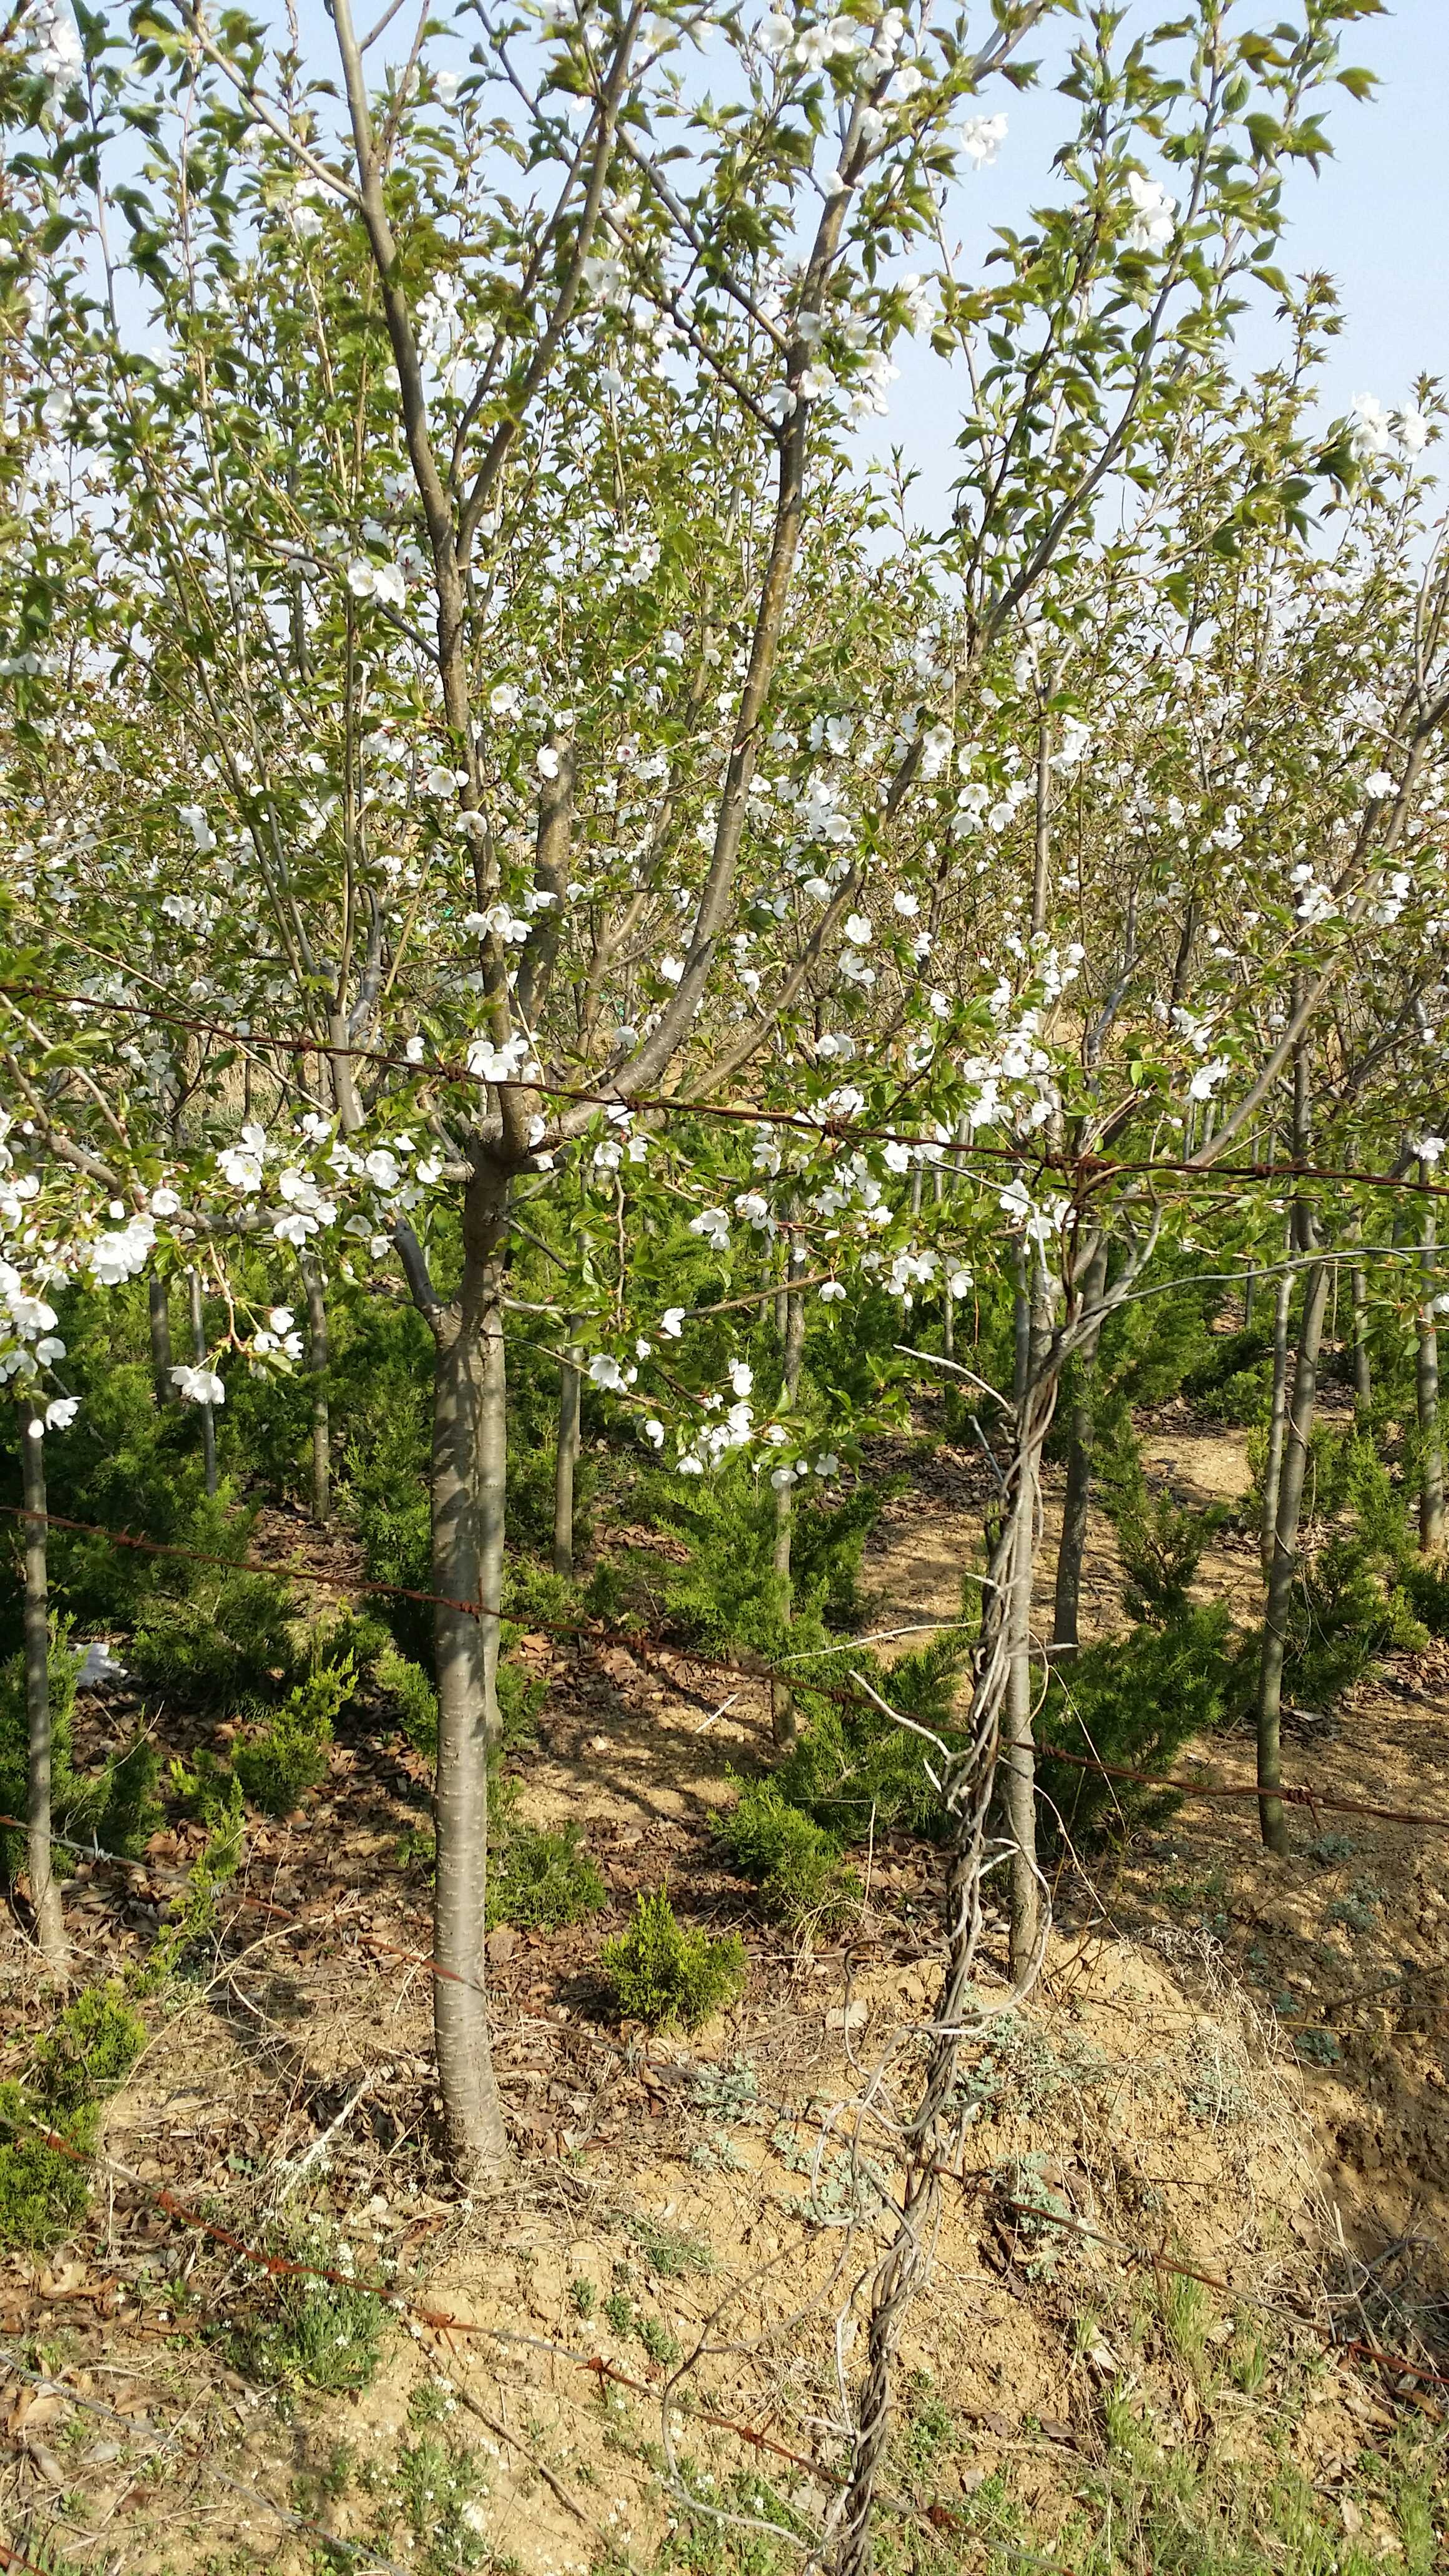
1232	2065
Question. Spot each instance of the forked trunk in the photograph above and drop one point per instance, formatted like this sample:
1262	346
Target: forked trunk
44	1889
1283	1571
469	1480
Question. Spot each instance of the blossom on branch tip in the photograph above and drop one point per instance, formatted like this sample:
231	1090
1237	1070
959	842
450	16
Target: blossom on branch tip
198	1385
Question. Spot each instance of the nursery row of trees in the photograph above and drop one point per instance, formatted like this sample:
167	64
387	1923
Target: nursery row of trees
517	836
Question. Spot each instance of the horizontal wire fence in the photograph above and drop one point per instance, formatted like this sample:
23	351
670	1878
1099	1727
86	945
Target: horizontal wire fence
823	1126
654	1640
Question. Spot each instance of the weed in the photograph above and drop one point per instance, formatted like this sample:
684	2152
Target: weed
440	2483
928	2428
1034	2210
1317	2047
661	1974
583	2297
619	2312
658	2342
324	2334
670	2252
1325	1849
542	1879
1186	2317
1356	1910
228	1643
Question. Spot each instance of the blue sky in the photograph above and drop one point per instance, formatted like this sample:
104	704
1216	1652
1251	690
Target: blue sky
1376	218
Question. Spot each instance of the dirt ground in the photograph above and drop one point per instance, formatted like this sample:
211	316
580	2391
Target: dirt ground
1234	2066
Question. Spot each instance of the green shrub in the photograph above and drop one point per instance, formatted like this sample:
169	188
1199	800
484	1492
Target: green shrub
94	2044
1346	1612
520	1697
288	1755
228	1642
43	2195
92	2047
1131	1700
803	1881
417	1701
660	1973
1426	1589
192	1918
1160	1542
541	1880
115	1805
852	1769
727	1594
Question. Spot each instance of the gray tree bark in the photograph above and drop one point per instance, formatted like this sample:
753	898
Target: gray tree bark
566	1459
1426	1388
158	1309
1362	1374
1018	1750
44	1887
198	1353
317	1358
782	1711
1076	1499
1277	1417
469	1483
1283	1570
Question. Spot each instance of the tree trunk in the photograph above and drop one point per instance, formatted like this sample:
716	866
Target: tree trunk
44	1889
469	1484
1077	1496
317	1357
1277	1418
1283	1570
1018	1752
1431	1446
1249	1285
1020	1328
782	1697
198	1353
158	1308
566	1459
1362	1374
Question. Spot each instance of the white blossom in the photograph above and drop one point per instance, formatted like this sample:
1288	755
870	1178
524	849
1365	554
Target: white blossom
198	1385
